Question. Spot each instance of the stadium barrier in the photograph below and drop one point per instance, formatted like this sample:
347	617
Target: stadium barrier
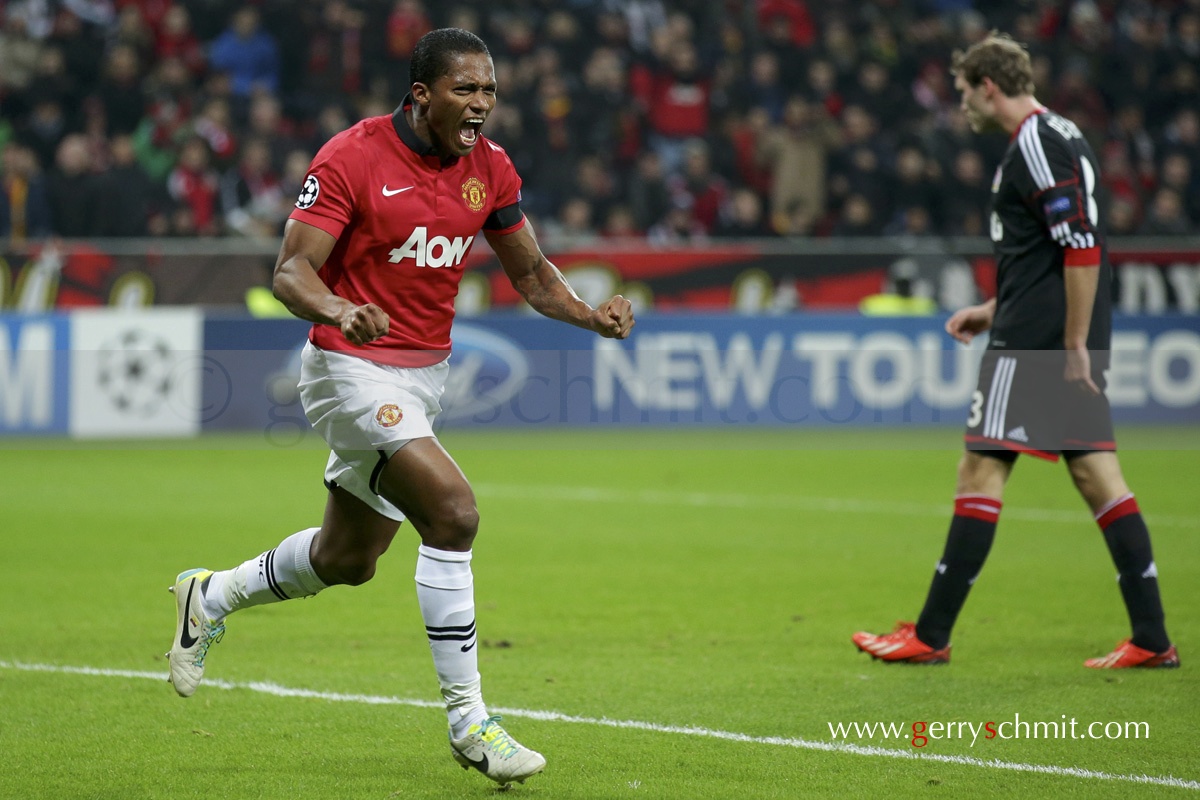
181	371
754	276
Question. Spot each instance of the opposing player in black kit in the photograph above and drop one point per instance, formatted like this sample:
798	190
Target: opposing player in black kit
1041	382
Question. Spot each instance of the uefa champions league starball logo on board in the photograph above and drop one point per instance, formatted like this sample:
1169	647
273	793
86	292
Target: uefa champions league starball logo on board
134	371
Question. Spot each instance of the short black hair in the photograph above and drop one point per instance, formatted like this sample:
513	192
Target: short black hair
435	50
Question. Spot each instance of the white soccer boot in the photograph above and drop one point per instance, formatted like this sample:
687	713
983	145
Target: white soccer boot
194	633
489	749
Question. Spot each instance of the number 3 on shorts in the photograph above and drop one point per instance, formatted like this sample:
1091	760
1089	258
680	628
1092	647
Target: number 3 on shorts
976	410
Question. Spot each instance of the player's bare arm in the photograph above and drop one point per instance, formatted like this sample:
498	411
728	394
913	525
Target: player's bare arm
297	285
1081	284
965	323
545	289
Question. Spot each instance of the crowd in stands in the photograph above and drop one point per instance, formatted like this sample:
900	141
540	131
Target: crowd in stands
673	120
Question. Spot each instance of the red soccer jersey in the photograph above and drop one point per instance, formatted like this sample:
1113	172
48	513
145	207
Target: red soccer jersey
404	222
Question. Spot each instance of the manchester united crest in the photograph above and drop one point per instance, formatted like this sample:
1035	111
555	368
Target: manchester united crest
474	193
389	415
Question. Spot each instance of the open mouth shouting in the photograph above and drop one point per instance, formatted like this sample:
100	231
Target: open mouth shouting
468	132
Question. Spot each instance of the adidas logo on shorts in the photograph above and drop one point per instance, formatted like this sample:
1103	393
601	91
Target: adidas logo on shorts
1018	434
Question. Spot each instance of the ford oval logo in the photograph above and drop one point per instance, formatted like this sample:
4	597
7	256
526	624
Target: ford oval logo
487	370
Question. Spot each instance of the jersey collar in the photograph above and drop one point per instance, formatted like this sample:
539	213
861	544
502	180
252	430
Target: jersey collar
1034	113
409	136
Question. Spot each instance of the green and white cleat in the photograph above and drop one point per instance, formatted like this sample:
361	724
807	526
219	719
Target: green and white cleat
194	633
489	749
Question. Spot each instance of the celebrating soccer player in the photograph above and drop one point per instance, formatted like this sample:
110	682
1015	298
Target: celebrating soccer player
373	256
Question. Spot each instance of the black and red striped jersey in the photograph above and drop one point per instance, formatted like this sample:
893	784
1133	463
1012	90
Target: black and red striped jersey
1045	217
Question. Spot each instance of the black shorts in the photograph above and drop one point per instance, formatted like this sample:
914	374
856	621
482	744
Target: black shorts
1022	405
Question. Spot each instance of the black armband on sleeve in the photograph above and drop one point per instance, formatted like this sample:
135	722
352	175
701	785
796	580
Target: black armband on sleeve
504	218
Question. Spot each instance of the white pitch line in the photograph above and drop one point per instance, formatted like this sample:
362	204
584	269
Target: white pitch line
596	494
276	690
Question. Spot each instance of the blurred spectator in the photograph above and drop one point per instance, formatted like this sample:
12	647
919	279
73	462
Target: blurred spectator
967	197
822	87
678	226
51	81
18	52
1076	97
134	204
407	22
251	193
75	194
798	152
247	53
914	187
44	130
701	189
790	17
840	46
291	181
620	223
605	122
133	32
641	19
120	91
334	66
742	217
214	124
571	225
675	98
1122	217
595	183
649	196
170	107
1128	131
765	88
176	40
874	90
267	123
192	184
858	218
740	140
1166	216
797	219
857	167
561	30
83	46
1179	89
912	221
24	204
1180	175
804	105
1182	135
331	120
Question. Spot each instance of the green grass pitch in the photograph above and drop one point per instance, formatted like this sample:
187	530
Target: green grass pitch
703	585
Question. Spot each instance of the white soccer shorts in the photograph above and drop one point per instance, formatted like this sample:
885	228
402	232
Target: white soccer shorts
366	412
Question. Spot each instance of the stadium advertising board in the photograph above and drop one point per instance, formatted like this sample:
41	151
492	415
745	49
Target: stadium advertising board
34	353
101	372
173	372
715	370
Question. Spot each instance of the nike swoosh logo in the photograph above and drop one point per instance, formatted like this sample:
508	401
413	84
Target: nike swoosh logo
481	764
186	639
389	192
467	647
